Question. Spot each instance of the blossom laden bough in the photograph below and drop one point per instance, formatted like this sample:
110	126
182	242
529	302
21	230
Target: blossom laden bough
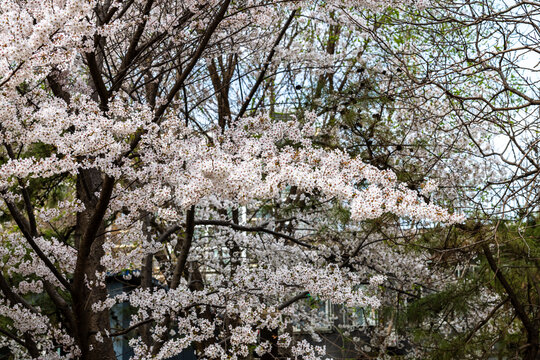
116	157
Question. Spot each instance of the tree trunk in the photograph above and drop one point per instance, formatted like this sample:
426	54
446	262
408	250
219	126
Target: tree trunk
88	322
531	352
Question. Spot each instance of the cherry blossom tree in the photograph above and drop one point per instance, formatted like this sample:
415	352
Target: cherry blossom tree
144	135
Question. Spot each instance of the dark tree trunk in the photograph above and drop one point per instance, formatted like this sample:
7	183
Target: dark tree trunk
88	322
270	336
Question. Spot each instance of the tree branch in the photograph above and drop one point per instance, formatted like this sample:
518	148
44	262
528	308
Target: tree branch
265	67
518	307
198	52
253	229
23	225
186	245
291	301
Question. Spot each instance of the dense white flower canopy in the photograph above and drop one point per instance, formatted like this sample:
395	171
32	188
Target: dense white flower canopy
117	156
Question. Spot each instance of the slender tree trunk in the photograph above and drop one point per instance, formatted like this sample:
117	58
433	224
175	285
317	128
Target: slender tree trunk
531	353
270	336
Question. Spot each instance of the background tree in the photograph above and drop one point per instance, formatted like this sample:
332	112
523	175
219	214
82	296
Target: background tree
474	64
